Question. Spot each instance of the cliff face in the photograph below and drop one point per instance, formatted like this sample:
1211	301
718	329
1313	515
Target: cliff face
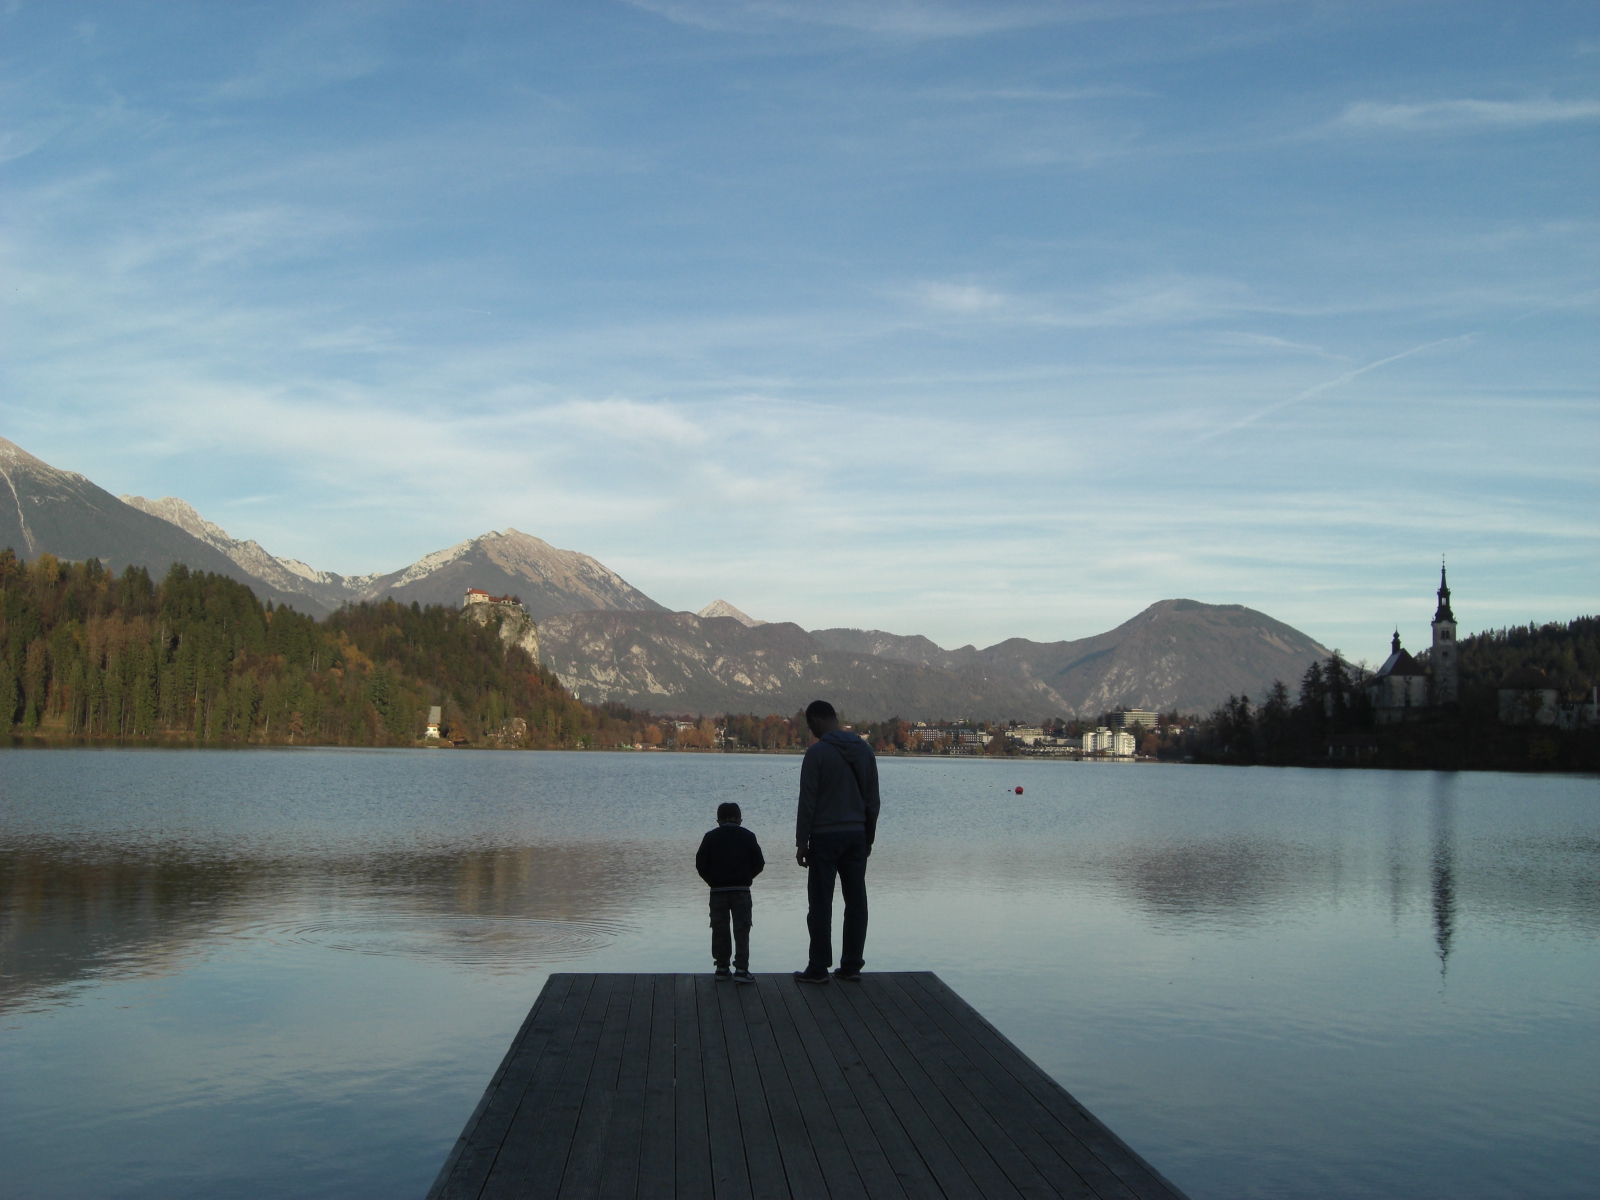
517	628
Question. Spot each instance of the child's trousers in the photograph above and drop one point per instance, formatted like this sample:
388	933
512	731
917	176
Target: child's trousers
731	908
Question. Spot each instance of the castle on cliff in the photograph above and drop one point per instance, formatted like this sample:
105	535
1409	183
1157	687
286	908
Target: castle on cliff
517	628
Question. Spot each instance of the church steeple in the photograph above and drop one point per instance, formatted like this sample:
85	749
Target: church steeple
1446	669
1443	613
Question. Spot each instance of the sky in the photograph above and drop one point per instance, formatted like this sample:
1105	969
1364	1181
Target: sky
971	320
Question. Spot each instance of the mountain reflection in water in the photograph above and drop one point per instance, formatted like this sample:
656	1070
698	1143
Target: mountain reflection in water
74	914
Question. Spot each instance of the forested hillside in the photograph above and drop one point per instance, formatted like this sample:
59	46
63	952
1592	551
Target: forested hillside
1330	721
86	653
1568	652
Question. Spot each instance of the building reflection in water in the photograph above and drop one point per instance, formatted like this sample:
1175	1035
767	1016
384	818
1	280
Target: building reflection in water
1442	875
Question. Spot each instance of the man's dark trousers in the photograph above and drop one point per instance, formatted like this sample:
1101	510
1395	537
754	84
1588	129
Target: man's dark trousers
842	853
735	905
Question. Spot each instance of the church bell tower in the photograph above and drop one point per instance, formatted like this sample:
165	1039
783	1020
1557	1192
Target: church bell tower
1446	668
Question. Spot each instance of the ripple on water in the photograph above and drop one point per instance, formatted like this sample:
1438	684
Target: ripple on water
502	943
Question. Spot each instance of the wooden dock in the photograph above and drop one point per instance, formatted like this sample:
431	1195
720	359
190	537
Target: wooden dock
680	1086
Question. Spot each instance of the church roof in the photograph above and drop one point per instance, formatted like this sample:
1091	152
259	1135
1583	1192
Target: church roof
1399	663
1526	679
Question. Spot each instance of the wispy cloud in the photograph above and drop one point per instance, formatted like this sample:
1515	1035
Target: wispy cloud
1449	115
962	298
1330	384
1044	94
900	18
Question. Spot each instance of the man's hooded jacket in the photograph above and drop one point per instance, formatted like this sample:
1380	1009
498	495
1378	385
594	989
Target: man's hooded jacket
838	788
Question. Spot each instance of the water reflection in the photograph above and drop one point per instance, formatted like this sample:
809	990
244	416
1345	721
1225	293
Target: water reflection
1442	873
73	914
1231	880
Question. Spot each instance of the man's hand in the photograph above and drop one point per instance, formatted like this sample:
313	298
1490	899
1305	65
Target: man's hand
801	857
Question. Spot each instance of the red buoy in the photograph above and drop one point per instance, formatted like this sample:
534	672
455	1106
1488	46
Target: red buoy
1019	791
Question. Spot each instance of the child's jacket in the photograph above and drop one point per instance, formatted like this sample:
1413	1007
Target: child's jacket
729	857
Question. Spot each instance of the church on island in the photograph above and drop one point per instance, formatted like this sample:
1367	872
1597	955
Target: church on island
1403	689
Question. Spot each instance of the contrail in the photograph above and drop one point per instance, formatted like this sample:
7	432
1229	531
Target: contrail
1333	383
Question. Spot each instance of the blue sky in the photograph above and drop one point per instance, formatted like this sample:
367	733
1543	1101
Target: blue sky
971	320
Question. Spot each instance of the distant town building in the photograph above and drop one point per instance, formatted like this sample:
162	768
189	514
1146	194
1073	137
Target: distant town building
1026	735
1528	697
1399	691
1585	715
1109	742
434	717
1446	666
1134	717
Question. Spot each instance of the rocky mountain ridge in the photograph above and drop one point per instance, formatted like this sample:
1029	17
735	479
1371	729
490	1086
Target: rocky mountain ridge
1175	654
609	641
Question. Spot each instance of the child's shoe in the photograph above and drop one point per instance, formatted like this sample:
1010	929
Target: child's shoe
743	977
812	975
849	974
724	973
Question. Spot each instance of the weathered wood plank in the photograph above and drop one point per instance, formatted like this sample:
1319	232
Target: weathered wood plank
535	1150
474	1152
658	1175
730	1178
831	1062
619	1168
1139	1176
761	1155
974	1156
944	1163
1029	1161
801	1172
876	1089
1071	1166
597	1102
659	1086
693	1150
822	1125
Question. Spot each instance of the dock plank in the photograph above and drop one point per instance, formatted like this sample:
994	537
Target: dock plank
534	1153
822	1125
658	1147
693	1149
597	1103
802	1173
474	1152
1034	1167
1118	1157
619	1165
730	1178
951	1130
762	1157
619	1087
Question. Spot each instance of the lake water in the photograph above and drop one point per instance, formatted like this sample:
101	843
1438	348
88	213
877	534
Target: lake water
291	973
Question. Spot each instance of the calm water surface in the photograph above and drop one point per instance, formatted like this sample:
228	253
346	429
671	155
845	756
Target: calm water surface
291	973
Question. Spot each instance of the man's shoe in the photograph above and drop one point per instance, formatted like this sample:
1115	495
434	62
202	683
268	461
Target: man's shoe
848	975
812	975
724	973
743	977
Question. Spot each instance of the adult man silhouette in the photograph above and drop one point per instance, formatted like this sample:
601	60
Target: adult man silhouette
835	825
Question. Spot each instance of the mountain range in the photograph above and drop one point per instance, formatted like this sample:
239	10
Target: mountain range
608	641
